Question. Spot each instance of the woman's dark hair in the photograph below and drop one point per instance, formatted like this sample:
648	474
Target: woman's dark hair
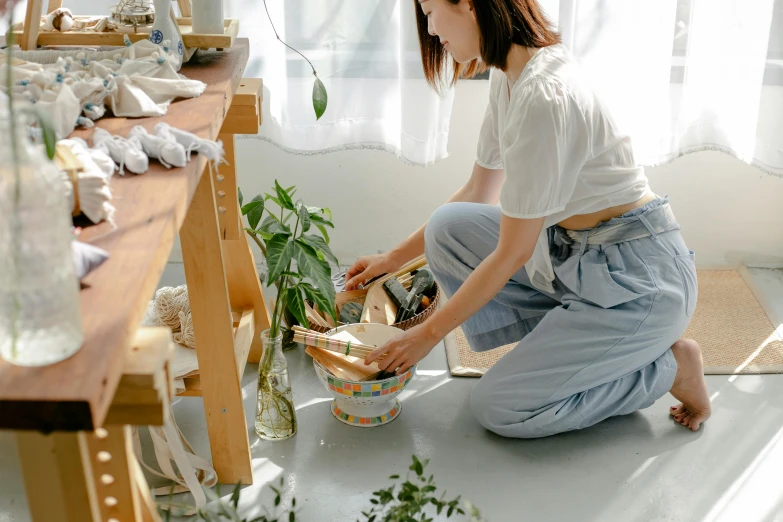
501	23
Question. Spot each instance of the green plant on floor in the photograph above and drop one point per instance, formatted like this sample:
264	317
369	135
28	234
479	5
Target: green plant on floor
414	501
285	235
295	243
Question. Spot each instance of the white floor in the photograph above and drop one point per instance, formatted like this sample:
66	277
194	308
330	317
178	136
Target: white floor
642	467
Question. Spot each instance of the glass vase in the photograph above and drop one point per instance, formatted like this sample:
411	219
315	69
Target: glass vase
40	317
275	414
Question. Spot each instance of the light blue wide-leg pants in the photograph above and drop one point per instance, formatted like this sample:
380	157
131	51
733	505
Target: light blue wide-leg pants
597	347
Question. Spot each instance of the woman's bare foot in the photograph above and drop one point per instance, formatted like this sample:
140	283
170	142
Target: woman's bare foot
689	385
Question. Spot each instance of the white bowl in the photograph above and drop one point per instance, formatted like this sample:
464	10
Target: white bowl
365	403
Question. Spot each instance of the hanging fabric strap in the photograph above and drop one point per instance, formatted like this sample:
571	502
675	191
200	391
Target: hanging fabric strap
170	445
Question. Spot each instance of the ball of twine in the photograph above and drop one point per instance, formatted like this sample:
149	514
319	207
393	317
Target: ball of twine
185	335
168	303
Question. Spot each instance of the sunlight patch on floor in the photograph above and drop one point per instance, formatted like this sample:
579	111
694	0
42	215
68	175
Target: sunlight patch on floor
757	490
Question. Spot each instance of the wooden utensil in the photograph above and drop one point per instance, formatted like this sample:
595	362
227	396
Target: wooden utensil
378	306
314	316
342	367
326	342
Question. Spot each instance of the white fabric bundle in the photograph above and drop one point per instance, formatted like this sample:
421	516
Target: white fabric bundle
124	152
213	150
136	81
92	184
167	151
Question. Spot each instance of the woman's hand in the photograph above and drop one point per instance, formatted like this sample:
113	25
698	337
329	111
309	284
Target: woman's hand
405	350
367	267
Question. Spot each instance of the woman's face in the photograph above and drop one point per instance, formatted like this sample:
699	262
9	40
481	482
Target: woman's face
455	25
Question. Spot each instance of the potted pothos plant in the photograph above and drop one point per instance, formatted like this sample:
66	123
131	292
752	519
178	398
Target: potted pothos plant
294	240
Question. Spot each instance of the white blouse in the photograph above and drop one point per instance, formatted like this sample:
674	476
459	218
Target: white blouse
562	153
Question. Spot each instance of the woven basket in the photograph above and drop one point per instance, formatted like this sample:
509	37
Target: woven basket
404	325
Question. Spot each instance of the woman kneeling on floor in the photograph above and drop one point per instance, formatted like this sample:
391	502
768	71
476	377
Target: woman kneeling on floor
581	263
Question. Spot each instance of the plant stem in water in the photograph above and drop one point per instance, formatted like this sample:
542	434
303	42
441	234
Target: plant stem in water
16	248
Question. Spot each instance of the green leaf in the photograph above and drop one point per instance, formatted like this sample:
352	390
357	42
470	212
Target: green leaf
47	130
394	477
320	300
417	466
272	225
291	517
277	500
274	199
320	246
235	495
241	197
279	252
291	190
254	210
317	270
323	231
319	98
258	200
321	221
304	217
285	199
296	304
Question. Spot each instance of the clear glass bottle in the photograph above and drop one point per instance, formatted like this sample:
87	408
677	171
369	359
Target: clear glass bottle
40	316
275	413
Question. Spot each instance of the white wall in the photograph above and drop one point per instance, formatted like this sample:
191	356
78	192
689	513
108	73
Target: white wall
730	212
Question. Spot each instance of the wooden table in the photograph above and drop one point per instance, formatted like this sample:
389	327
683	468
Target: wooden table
75	396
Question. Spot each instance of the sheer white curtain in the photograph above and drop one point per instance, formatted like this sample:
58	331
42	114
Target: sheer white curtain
366	53
686	75
681	75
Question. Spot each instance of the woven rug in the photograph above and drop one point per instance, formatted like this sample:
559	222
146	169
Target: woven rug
736	334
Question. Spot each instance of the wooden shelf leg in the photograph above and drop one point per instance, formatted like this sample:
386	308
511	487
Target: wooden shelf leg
58	477
120	490
54	4
32	25
205	274
244	286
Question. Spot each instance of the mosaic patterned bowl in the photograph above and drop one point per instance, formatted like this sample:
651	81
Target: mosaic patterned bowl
366	403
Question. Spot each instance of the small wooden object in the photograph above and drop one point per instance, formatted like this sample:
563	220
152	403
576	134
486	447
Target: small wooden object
312	315
67	162
378	307
333	344
344	367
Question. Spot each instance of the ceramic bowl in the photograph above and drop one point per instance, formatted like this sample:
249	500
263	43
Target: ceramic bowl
365	403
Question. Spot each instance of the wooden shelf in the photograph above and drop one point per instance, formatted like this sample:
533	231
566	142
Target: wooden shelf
244	330
189	38
75	394
144	393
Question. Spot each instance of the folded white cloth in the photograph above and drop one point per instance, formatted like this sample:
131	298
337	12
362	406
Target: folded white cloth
136	81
